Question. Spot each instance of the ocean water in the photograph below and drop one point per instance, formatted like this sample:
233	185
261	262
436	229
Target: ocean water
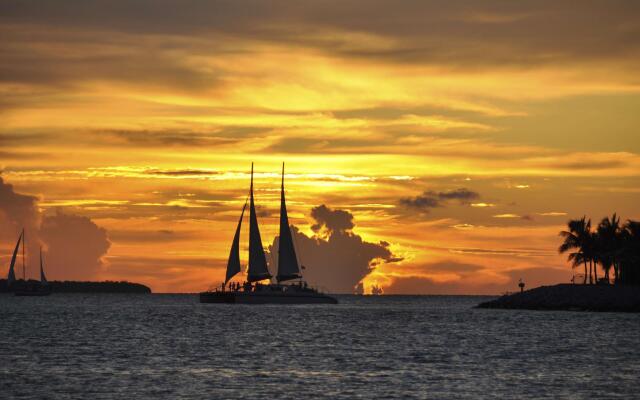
75	346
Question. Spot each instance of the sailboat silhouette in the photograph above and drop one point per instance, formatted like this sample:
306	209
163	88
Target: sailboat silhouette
252	291
25	287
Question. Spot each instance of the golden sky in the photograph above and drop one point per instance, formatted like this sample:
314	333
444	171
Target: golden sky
459	136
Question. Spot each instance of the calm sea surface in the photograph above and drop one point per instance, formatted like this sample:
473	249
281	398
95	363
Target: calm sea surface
170	346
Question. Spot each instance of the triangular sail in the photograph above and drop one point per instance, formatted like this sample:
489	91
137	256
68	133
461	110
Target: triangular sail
287	260
257	260
233	265
12	273
43	279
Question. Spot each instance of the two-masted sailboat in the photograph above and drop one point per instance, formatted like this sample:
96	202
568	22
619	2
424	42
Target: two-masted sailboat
26	287
252	291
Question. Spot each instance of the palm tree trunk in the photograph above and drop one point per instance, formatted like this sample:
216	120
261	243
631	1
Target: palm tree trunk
590	273
620	277
595	270
615	273
585	274
622	274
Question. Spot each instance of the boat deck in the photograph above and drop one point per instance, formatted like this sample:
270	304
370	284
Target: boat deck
267	297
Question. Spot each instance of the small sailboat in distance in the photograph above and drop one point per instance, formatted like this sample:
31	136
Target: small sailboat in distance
11	278
252	291
26	287
43	278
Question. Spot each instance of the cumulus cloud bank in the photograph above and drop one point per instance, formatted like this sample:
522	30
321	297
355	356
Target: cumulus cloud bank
16	211
73	245
335	257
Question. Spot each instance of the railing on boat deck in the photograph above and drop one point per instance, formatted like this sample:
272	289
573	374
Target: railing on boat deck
317	288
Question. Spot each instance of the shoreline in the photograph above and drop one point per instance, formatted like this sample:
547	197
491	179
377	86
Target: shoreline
571	297
86	286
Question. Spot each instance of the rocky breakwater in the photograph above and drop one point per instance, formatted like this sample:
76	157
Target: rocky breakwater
572	298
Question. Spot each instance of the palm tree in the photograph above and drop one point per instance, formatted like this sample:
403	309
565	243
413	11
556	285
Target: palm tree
590	252
600	256
578	237
630	254
609	240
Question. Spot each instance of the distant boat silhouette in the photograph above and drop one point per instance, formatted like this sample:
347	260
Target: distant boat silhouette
252	292
11	278
24	287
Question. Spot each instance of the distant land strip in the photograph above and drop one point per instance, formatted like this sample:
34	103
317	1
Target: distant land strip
571	297
88	287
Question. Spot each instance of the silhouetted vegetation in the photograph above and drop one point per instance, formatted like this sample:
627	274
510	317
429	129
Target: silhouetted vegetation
615	247
86	287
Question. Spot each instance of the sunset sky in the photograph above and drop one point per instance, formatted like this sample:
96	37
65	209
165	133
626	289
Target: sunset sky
449	141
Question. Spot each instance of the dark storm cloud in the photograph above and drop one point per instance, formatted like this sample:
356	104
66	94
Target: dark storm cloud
218	137
393	140
264	212
22	139
589	164
330	220
423	201
23	155
147	16
336	258
446	31
149	138
431	199
181	172
303	145
391	113
462	194
520	252
63	58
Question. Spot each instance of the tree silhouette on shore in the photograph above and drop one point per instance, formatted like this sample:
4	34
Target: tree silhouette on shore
579	238
611	245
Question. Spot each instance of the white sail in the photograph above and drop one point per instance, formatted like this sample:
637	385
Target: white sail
287	261
12	274
233	265
43	279
257	270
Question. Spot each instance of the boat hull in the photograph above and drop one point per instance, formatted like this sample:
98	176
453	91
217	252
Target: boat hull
266	298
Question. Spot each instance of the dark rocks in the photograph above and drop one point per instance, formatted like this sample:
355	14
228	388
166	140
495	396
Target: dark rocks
572	298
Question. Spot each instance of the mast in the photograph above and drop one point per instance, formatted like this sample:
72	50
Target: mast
43	279
257	270
24	273
287	261
233	265
12	274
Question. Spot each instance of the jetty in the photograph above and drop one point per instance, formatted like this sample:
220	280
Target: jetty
572	297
